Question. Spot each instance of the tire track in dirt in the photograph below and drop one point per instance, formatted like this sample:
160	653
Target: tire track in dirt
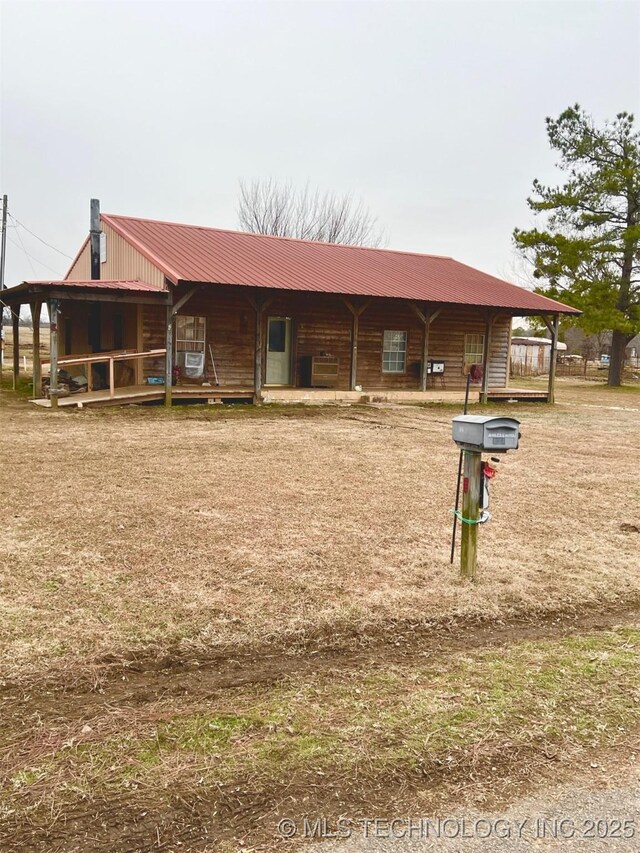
141	682
197	819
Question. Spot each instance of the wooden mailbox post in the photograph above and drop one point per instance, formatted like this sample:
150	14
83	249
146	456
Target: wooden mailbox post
475	435
471	485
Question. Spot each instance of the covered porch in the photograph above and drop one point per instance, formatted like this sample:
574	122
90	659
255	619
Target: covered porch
96	341
117	342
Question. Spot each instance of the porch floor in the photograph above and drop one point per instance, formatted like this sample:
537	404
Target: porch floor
519	394
146	393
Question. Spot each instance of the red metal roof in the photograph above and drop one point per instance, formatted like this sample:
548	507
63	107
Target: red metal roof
100	284
196	254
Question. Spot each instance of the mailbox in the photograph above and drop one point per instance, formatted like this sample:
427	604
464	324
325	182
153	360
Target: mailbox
484	433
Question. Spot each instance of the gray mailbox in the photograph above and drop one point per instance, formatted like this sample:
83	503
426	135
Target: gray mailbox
484	433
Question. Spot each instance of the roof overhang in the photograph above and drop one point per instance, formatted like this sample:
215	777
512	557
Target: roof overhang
85	291
548	307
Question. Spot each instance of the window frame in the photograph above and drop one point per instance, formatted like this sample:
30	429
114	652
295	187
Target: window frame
405	351
478	348
194	341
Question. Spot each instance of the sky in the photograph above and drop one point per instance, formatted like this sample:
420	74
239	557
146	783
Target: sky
432	113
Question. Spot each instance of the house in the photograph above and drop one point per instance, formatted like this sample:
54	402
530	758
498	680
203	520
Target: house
152	310
531	356
632	352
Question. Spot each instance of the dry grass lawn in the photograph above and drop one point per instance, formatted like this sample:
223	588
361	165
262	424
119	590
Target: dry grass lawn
143	532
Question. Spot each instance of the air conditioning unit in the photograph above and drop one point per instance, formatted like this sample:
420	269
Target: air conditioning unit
191	363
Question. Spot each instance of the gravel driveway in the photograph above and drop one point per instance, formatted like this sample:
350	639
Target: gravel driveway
567	818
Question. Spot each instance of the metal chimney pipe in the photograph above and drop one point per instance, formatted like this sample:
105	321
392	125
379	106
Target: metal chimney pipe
95	239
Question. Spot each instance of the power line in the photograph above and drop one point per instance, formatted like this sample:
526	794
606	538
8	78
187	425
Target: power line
32	258
33	269
59	251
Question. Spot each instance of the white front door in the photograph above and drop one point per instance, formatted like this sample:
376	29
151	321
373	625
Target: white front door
278	351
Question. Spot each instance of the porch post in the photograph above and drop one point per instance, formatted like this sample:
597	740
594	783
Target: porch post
356	311
257	375
425	319
54	305
355	329
424	372
15	320
553	359
37	369
168	366
486	354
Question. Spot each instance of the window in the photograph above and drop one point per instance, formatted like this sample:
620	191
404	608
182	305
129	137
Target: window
189	334
190	357
473	349
277	334
394	352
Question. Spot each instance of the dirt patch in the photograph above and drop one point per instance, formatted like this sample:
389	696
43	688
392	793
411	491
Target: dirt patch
138	682
494	721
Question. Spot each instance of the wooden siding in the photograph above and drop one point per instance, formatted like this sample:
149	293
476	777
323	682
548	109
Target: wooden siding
322	325
123	262
74	326
230	324
152	327
388	315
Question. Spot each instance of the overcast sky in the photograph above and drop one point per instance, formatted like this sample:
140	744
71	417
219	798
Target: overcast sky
432	113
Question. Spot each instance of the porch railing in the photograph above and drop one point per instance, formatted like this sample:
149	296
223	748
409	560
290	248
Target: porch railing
109	358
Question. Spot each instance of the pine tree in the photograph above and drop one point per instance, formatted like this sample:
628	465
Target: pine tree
589	250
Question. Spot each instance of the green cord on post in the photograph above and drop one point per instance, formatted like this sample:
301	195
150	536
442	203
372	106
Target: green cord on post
464	520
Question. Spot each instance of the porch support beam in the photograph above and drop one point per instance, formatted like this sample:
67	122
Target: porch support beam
259	305
257	368
426	317
184	299
36	308
168	364
356	311
97	297
553	326
15	322
54	306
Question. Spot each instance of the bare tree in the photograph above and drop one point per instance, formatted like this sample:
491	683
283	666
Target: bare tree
266	207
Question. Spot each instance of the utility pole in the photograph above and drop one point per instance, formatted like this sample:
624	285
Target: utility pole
3	252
